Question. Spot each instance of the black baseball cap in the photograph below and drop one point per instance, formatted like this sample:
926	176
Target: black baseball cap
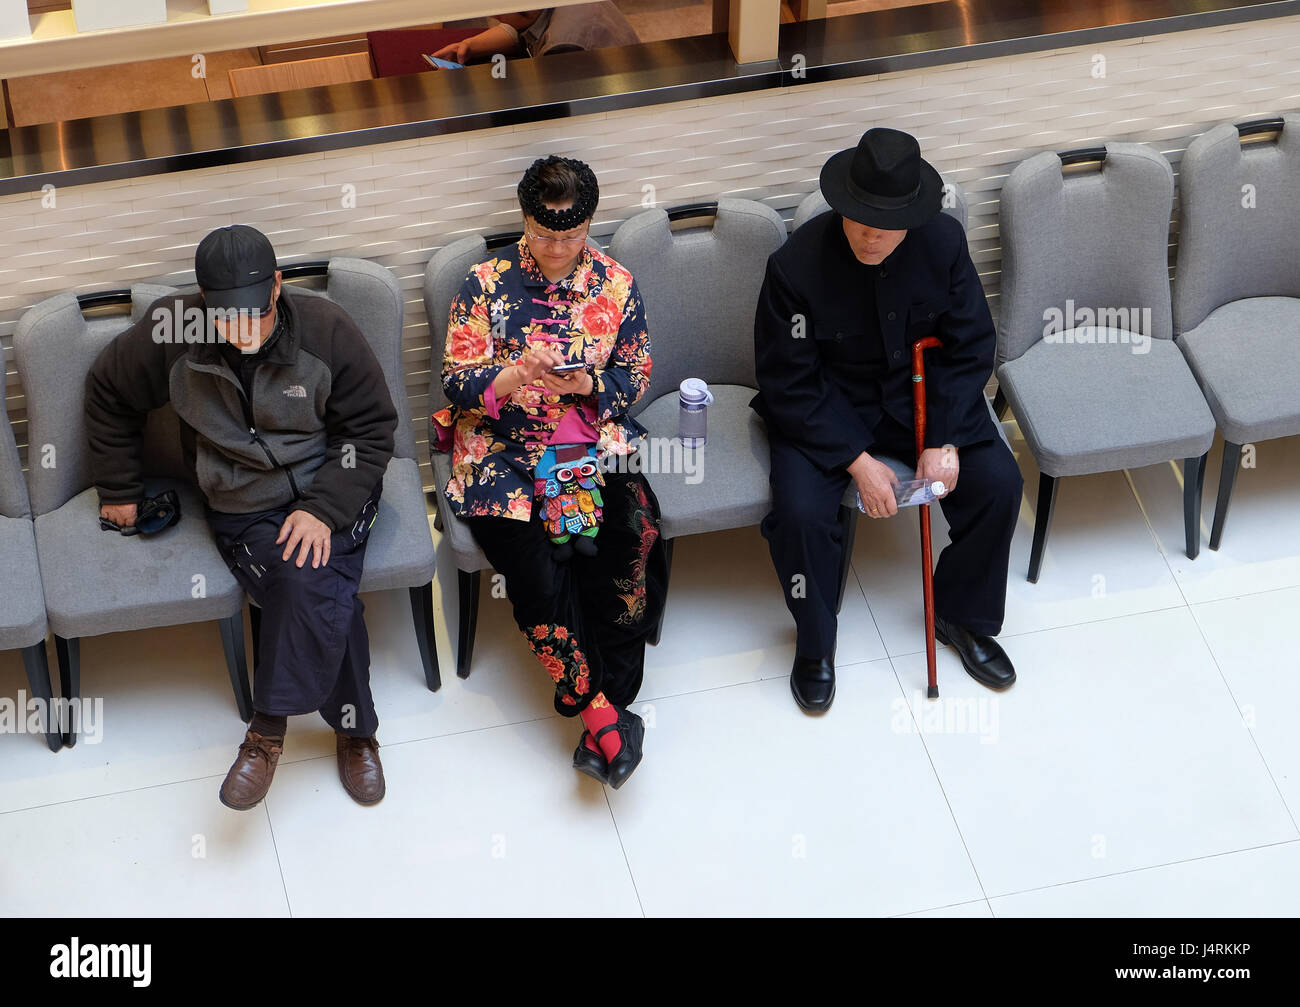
235	267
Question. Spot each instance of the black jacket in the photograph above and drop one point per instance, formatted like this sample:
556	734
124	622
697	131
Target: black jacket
825	386
316	435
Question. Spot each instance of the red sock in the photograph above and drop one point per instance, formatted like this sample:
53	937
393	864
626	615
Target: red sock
600	713
590	742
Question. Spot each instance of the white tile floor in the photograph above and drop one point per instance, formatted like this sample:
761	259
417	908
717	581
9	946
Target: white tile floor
1145	764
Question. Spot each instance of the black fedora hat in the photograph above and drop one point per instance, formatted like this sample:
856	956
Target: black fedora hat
883	181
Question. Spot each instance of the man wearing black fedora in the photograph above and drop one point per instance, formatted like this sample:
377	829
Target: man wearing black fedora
841	304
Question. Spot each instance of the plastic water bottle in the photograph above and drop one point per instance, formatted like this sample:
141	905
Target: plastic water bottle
693	419
912	492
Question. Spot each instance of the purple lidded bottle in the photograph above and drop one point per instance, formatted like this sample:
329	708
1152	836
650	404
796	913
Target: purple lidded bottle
693	421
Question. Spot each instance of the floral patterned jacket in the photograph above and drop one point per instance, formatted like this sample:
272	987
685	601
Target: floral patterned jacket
593	315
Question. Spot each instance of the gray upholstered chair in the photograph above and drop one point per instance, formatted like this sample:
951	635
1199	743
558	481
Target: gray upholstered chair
699	269
1110	391
1237	284
94	581
814	204
399	553
22	603
443	276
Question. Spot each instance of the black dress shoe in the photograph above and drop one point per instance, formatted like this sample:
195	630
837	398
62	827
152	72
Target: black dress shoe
981	656
812	680
589	762
631	731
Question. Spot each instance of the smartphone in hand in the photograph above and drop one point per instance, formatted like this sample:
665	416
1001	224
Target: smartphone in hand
442	64
568	368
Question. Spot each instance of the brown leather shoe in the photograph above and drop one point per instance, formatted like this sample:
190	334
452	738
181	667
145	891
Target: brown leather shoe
359	769
250	777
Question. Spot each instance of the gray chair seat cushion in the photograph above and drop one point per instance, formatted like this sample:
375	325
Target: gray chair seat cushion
102	582
729	487
905	471
400	550
22	607
1246	356
469	557
1096	406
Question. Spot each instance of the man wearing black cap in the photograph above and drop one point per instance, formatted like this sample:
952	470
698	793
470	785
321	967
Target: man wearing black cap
288	424
841	304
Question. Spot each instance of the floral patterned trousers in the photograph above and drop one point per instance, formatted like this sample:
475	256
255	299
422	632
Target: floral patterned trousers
587	618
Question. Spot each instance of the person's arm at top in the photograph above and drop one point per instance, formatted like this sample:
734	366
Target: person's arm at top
502	37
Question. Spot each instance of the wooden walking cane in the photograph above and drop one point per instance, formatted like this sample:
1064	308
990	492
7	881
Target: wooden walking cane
927	568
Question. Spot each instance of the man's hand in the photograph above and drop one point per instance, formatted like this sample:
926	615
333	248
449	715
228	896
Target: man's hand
876	482
941	464
122	515
307	533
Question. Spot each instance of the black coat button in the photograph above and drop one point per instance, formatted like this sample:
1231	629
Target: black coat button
891	316
897	354
930	315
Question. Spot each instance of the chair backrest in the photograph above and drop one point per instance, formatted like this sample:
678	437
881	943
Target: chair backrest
371	295
1095	240
55	345
443	276
274	77
814	204
1239	227
700	286
13	489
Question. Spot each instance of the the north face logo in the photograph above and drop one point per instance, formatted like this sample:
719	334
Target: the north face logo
295	392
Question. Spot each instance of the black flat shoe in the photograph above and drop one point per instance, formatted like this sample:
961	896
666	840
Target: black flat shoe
812	680
631	731
981	656
589	762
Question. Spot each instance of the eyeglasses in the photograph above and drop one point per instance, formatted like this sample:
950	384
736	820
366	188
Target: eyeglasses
546	239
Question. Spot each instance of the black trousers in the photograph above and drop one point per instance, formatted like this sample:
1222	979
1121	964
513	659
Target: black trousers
970	578
587	618
314	653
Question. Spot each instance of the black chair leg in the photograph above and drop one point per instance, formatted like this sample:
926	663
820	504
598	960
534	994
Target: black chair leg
69	654
425	636
1227	478
1000	405
37	664
469	588
1042	522
653	638
255	632
848	521
232	642
1193	483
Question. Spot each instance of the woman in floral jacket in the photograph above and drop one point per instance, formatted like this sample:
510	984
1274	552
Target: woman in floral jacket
552	300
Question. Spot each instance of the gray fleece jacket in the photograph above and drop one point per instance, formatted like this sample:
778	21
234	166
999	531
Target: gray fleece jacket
315	435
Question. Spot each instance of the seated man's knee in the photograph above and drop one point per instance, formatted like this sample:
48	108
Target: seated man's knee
997	475
796	504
